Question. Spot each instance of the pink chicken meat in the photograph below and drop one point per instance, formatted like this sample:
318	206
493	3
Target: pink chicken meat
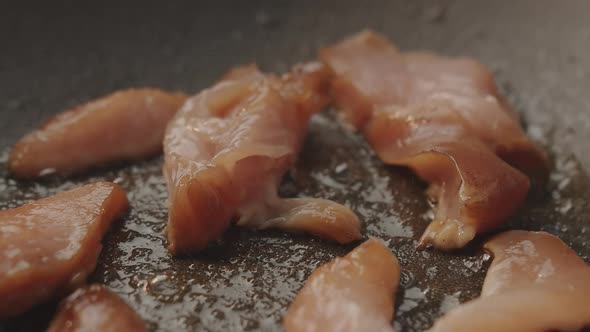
443	118
352	293
49	246
535	283
95	308
126	125
227	149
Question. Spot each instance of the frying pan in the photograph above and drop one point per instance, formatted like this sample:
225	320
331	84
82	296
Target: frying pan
56	54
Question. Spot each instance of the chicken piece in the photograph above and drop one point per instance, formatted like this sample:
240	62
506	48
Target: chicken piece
49	246
444	119
319	217
227	149
95	308
126	125
535	283
352	293
523	259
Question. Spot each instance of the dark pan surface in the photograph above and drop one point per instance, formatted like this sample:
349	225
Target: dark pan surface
56	54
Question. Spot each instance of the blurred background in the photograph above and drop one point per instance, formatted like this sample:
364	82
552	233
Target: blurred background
55	54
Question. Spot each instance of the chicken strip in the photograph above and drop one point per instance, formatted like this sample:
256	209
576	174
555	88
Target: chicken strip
95	308
535	283
49	246
227	149
444	119
352	293
126	125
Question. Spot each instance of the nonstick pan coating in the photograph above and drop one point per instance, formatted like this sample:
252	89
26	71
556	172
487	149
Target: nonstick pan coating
55	54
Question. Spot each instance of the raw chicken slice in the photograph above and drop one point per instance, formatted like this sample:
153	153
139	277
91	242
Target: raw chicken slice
523	259
95	308
227	149
319	217
352	293
535	283
49	246
444	119
126	125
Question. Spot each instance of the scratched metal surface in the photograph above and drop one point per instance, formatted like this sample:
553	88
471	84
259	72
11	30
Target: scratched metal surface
54	56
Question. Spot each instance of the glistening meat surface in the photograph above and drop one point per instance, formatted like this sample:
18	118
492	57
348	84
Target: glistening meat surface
227	149
443	118
535	283
352	293
49	246
126	125
95	308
